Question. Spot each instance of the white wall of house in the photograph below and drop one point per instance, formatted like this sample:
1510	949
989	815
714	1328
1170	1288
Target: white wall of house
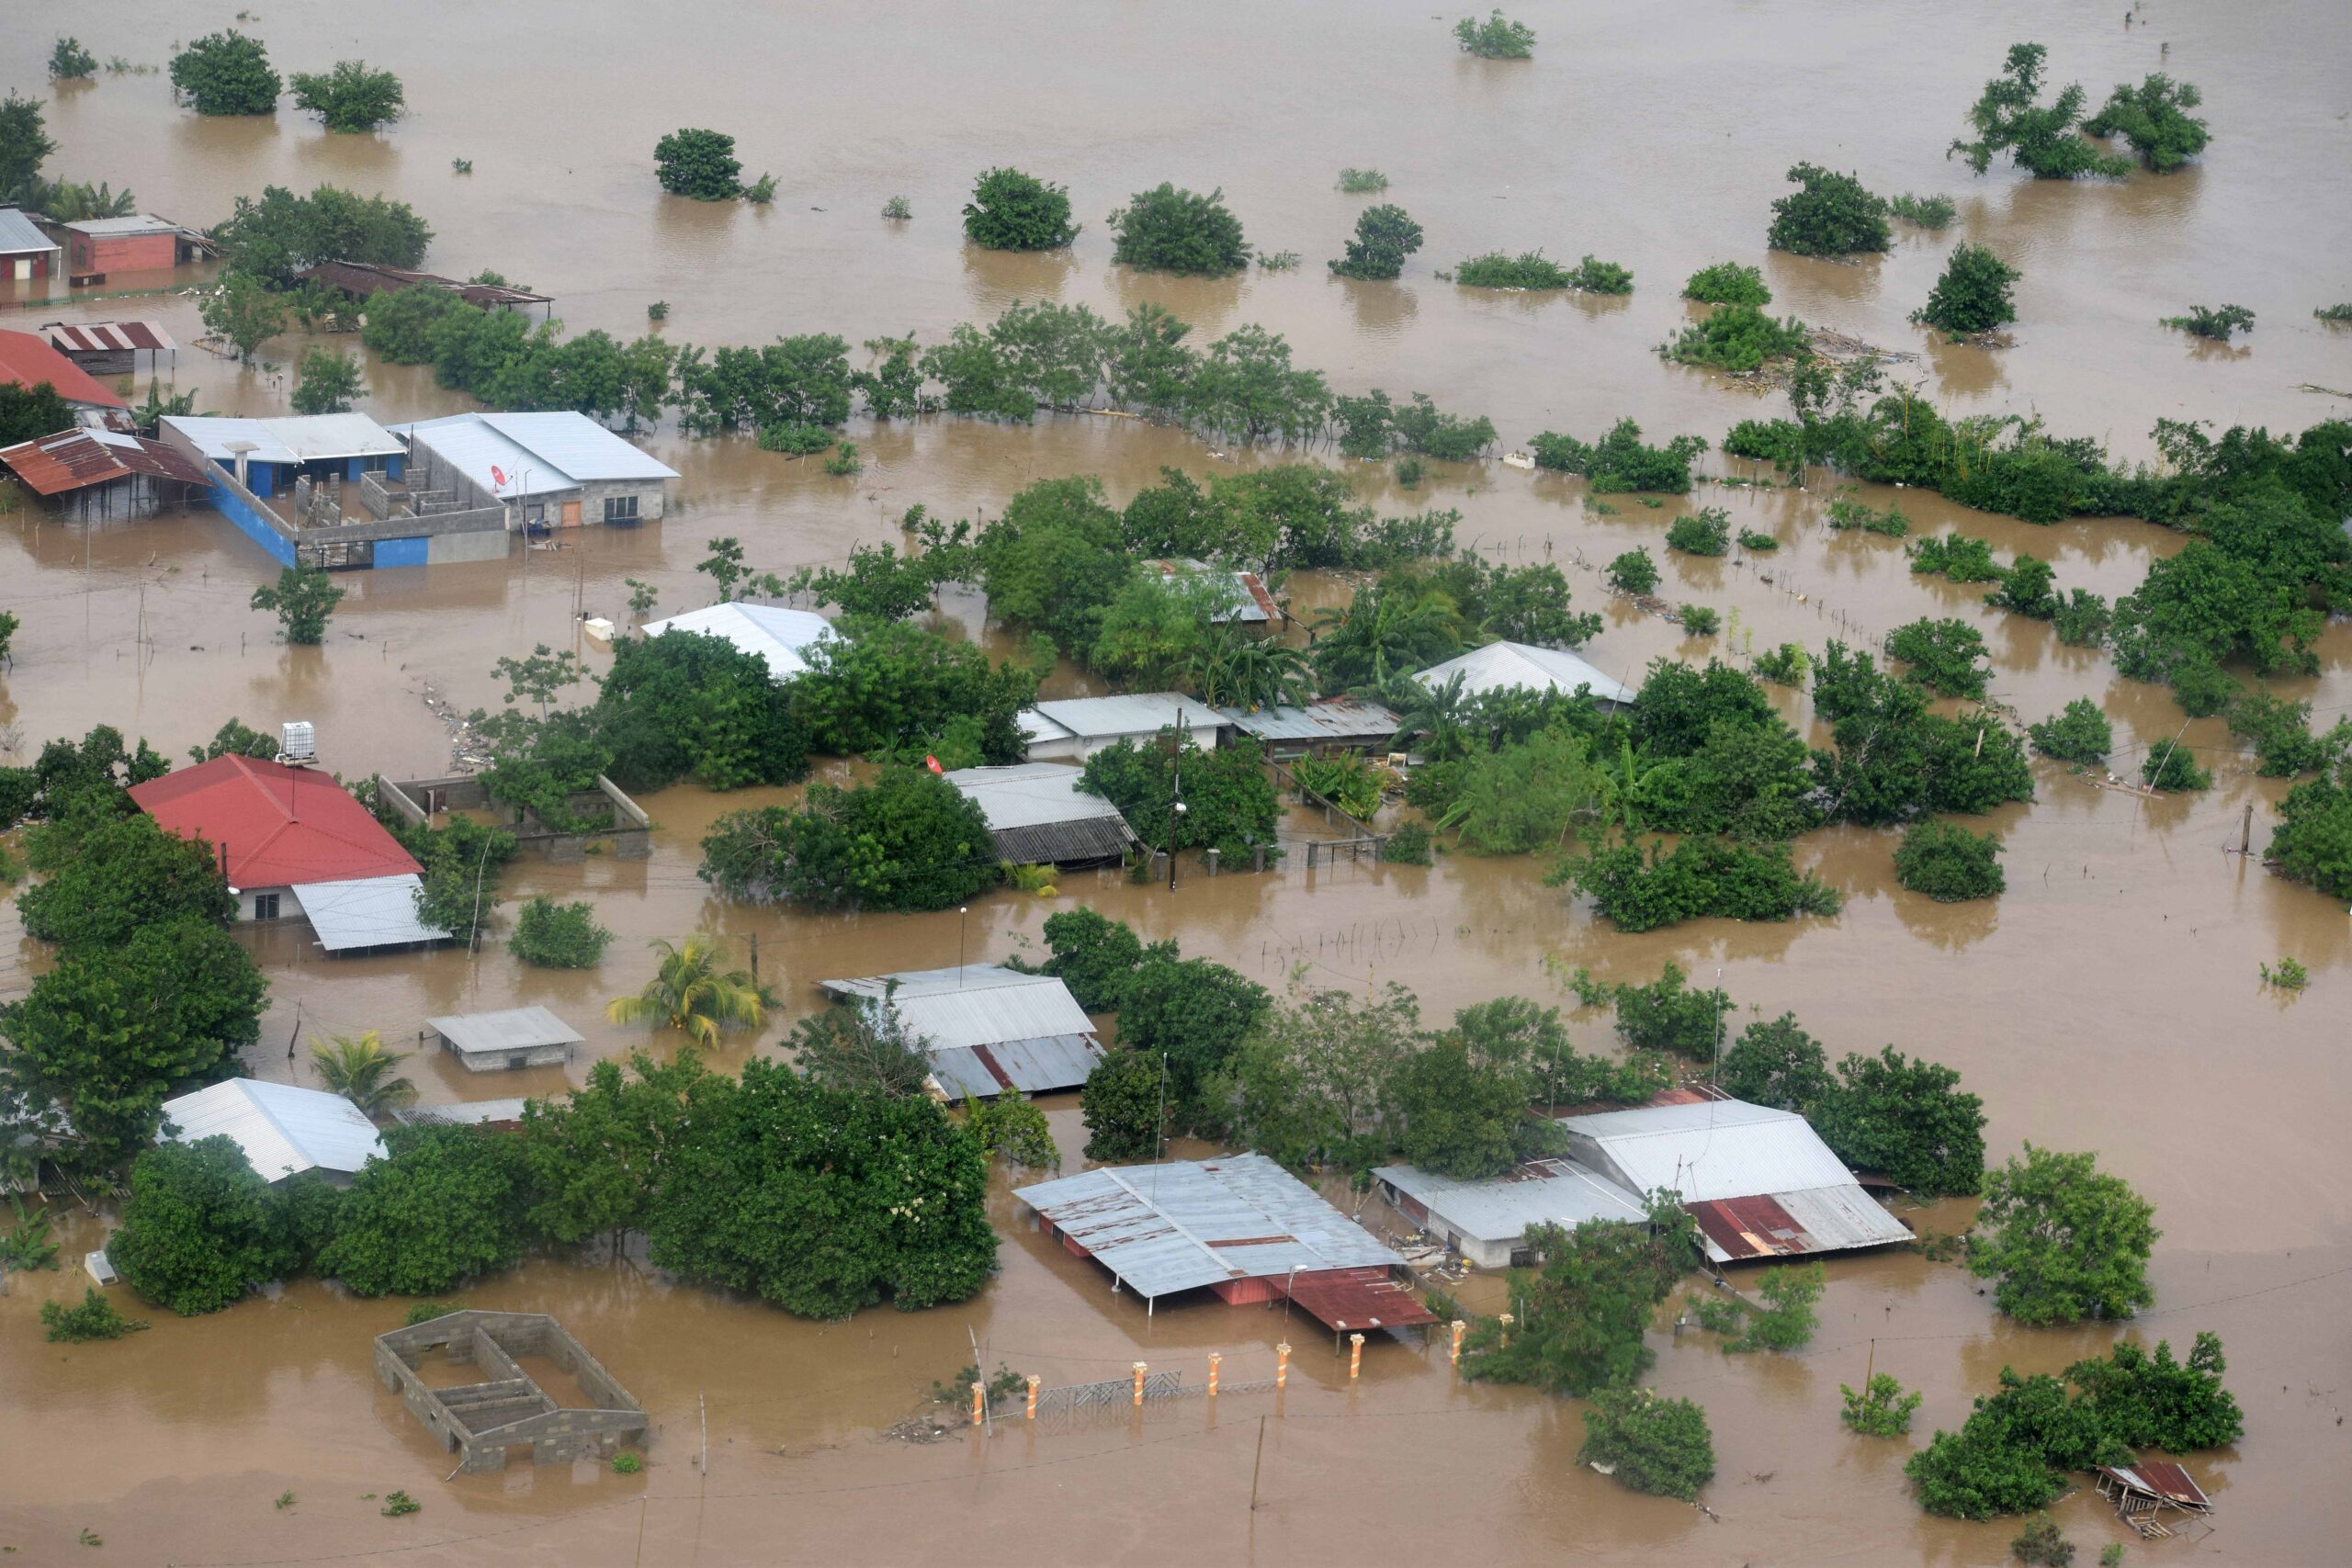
267	904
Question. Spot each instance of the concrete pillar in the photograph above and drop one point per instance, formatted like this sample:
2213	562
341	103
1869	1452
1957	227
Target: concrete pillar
1458	1328
1032	1400
1311	847
1140	1372
1355	1356
979	1397
1282	1365
1214	1360
1257	857
1211	858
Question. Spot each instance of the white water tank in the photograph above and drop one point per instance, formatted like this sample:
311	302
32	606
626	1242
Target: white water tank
296	742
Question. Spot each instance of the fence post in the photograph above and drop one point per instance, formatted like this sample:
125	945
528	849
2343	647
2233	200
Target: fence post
1458	1326
1214	1360
1211	858
1140	1372
1033	1399
979	1394
1355	1356
1505	1323
1282	1365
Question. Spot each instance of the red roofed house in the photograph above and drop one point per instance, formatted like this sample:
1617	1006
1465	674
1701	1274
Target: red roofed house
293	842
27	361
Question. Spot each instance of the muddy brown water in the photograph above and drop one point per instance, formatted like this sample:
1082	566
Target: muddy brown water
2109	1000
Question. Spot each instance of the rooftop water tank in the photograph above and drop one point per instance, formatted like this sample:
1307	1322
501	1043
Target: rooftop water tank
296	742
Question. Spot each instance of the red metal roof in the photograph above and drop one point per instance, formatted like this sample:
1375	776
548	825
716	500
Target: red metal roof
1750	1227
27	361
107	337
281	826
76	459
1358	1298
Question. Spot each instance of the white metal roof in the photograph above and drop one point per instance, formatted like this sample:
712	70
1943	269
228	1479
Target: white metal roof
142	223
371	911
292	438
986	1029
19	235
1142	713
1029	794
1718	1148
1500	666
283	1128
512	1029
1325	719
1551	1191
562	449
1163	1229
780	636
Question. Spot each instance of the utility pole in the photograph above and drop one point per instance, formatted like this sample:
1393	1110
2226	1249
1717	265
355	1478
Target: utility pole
1258	1468
1176	792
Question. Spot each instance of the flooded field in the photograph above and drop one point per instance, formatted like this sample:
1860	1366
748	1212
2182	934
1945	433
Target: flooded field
2109	1000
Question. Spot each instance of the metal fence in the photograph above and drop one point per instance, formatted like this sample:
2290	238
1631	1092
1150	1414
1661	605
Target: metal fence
1073	1405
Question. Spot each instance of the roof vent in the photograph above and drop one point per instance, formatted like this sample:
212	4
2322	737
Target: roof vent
296	742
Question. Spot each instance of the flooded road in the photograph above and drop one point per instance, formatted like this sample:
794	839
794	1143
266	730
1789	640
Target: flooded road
2108	1000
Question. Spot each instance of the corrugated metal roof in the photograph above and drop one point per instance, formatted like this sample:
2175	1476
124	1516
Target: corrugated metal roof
1724	1148
1139	713
1551	1191
1036	813
1500	666
979	1004
365	279
29	361
277	825
1791	1225
779	637
1034	1067
562	449
107	337
78	458
511	1029
19	234
1164	1228
373	911
1327	719
1343	1299
115	228
2160	1478
284	1129
291	438
1246	597
464	1113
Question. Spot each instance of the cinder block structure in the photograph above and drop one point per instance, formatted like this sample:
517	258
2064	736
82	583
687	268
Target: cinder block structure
485	1420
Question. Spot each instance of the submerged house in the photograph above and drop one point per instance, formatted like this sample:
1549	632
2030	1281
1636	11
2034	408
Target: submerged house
1074	729
1319	729
1508	666
550	471
140	243
779	638
105	472
29	361
508	1040
1038	816
1760	1182
1240	1226
27	254
985	1028
284	1130
110	348
293	843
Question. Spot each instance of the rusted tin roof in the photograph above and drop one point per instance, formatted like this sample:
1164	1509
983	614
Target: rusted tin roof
2159	1478
1347	1299
76	459
70	338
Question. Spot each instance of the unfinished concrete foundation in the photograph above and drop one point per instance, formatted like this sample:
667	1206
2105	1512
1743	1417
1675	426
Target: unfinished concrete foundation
487	1419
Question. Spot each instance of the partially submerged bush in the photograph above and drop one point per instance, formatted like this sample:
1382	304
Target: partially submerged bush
1168	230
1955	556
698	163
2215	322
2172	767
1632	572
1011	211
1738	338
1496	38
1727	283
2077	733
1785	665
1649	1443
1830	215
1601	277
1362	182
1948	863
2042	139
1973	296
1942	654
1619	461
2153	118
1386	235
1881	1409
1927	211
1698	620
1702	533
1848	516
1529	269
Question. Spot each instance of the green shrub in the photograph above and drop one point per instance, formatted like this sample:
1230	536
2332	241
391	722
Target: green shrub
1758	543
225	73
1882	1409
2077	733
2335	314
2152	118
1785	665
1409	472
2313	842
559	936
797	440
1632	572
626	1464
1495	38
2042	139
1529	269
2280	731
2026	589
1727	283
1704	876
1619	461
2172	767
425	1312
398	1503
2290	976
1845	516
845	461
1386	235
899	209
1704	533
2215	322
1408	845
1738	338
1601	277
1169	229
1973	296
1362	182
2063	1240
2041	1542
1831	215
1649	1443
351	96
698	163
1780	442
68	62
1948	863
96	1318
1942	656
1927	211
1955	556
1011	211
1698	620
2081	619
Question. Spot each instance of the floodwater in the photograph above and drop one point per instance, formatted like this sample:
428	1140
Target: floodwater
2109	1000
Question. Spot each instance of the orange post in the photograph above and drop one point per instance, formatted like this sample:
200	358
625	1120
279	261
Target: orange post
979	1397
1282	1365
1355	1356
1033	1399
1458	1329
1214	1360
1505	1323
1139	1370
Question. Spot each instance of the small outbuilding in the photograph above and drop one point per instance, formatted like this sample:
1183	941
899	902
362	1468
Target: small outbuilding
139	242
27	254
1246	601
1508	666
105	473
1038	816
550	470
110	348
286	1130
2143	1489
508	1040
29	361
506	1407
1074	729
1486	1221
1239	1226
986	1029
779	638
1322	727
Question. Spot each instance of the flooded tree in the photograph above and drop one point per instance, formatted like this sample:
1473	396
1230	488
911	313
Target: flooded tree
1727	283
350	98
549	935
1908	1120
862	1045
1123	1106
1706	532
1385	237
2063	1240
302	599
27	414
2153	118
1169	229
2043	139
1496	38
1973	296
281	233
2215	322
225	73
328	381
1829	215
68	62
692	993
445	1207
1011	211
1927	211
1620	461
2078	733
908	841
242	312
361	1070
1583	1312
1942	654
698	163
597	1156
1738	339
1775	1063
1948	863
200	1229
1649	1442
1632	572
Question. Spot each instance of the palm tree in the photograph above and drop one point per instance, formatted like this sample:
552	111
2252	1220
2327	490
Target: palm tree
1438	717
1232	670
688	992
361	1071
1384	633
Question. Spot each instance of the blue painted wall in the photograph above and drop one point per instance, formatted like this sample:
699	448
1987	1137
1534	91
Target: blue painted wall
401	552
232	506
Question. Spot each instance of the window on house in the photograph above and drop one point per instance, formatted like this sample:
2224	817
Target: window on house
621	509
265	905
